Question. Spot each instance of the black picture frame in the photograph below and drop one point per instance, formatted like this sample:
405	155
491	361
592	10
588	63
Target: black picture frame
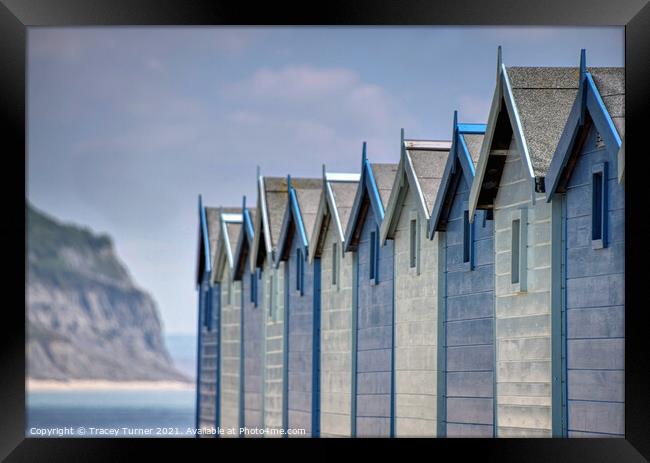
17	15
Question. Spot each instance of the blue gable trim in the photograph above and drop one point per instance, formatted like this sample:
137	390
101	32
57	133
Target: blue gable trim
205	240
367	186
292	212
459	152
587	100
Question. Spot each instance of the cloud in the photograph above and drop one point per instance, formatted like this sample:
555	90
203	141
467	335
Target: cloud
324	102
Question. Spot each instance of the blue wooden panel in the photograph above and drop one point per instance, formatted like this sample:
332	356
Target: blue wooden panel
253	352
374	338
301	348
595	314
468	318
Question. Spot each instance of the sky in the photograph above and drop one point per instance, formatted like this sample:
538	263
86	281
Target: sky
127	126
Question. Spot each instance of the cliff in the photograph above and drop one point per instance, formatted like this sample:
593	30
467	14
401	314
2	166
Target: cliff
86	319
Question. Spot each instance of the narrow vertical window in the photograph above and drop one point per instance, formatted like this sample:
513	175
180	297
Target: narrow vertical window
515	251
252	287
335	263
413	243
298	265
371	261
467	237
599	206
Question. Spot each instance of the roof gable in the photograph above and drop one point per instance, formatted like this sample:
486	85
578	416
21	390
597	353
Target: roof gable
600	101
420	170
272	193
203	256
373	190
535	102
299	214
461	163
334	206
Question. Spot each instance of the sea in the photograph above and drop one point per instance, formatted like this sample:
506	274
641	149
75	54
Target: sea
119	413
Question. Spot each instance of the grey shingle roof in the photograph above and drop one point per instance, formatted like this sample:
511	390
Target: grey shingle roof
384	176
543	96
473	142
212	219
308	191
344	193
429	166
611	86
276	193
233	234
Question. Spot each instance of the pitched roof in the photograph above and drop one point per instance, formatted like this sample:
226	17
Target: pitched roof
461	162
244	242
381	176
601	96
428	166
384	175
421	166
334	207
543	97
610	82
276	193
307	194
343	196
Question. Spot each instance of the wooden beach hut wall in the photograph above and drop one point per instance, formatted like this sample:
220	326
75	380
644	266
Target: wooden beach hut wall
466	299
584	185
327	244
229	374
251	356
208	330
529	110
372	314
414	190
302	307
272	194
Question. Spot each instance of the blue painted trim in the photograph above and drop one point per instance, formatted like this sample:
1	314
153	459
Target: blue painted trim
206	239
373	193
355	340
285	353
478	129
442	337
315	375
601	116
198	358
392	354
298	218
242	361
217	395
460	151
588	99
367	185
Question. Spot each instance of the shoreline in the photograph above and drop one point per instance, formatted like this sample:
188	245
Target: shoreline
48	385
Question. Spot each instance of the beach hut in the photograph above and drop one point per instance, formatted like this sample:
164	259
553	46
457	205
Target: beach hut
272	194
228	342
251	355
372	313
584	183
466	298
529	110
414	190
302	307
208	324
328	239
